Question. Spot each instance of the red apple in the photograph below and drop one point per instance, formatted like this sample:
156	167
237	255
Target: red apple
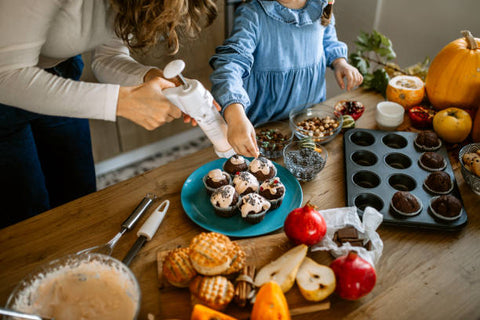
355	277
305	225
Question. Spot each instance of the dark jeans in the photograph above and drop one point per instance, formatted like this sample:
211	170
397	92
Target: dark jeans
45	161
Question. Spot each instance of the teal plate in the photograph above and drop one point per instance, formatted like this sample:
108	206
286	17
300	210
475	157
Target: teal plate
196	203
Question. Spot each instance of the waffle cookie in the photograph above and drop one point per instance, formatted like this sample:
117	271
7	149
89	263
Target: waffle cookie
177	268
209	253
215	292
238	258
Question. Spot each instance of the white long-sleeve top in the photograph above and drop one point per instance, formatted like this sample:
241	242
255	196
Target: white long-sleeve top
38	34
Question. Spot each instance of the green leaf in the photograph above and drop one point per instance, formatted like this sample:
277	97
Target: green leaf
360	63
384	52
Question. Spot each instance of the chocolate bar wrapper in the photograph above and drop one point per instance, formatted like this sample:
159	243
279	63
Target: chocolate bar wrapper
339	218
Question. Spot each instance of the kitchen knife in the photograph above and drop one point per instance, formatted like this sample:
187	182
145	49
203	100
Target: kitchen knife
147	231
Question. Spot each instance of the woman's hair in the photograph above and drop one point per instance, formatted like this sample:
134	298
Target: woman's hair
141	23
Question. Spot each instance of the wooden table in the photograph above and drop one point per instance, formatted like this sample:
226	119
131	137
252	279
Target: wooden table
422	274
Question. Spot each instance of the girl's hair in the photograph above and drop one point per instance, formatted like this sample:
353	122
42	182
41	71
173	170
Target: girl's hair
327	14
141	23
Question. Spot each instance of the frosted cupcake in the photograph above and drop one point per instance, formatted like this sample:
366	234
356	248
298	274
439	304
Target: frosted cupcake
253	207
245	182
215	179
274	191
262	169
234	164
225	200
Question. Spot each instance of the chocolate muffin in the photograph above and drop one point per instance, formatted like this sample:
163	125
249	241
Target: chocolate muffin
225	200
253	207
234	164
439	182
262	169
215	179
446	207
274	191
428	140
403	202
432	161
245	182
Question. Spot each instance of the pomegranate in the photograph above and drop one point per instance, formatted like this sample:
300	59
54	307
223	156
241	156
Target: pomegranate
305	225
354	109
355	276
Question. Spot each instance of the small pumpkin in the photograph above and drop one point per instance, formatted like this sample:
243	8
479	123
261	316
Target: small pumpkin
270	303
406	90
453	78
201	312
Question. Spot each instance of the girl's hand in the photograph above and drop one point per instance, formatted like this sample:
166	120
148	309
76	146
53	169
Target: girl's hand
146	105
241	134
346	74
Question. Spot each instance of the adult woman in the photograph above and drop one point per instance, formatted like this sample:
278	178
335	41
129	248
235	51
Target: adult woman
45	151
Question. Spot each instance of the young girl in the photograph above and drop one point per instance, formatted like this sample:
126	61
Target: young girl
275	61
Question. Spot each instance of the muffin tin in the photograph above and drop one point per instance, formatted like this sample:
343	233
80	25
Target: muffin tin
379	163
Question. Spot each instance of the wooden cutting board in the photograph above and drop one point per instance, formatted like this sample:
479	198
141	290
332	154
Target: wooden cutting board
260	251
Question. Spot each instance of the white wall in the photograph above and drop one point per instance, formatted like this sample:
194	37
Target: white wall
417	28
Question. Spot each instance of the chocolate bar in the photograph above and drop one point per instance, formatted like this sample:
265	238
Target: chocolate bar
350	234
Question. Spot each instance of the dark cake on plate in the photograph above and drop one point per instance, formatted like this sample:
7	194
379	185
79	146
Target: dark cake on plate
262	169
253	207
439	182
274	191
235	163
215	179
405	203
225	200
432	161
245	182
446	207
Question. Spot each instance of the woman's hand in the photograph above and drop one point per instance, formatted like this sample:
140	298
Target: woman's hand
152	73
346	74
241	134
146	105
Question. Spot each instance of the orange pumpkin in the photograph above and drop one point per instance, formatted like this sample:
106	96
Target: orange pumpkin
453	78
201	312
270	303
406	90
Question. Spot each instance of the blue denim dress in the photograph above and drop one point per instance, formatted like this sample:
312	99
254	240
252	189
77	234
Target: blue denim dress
275	59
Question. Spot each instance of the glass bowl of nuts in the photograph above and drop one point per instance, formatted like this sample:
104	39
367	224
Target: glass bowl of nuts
318	122
272	137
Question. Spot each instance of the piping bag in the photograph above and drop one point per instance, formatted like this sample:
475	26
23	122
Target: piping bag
147	231
196	101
